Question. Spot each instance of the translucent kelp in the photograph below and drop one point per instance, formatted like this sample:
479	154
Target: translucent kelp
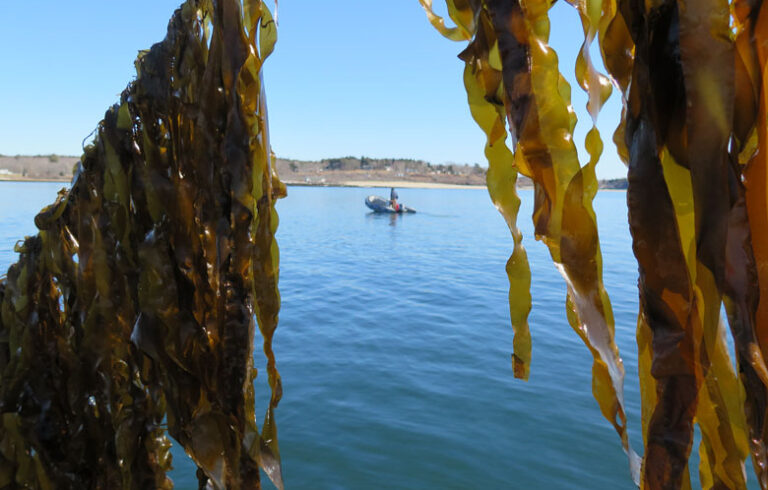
693	134
131	314
511	74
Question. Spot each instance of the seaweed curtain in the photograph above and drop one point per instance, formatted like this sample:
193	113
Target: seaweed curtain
130	315
693	135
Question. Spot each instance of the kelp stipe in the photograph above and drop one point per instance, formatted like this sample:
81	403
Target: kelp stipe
135	303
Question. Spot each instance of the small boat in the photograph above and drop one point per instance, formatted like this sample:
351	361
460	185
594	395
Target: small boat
381	205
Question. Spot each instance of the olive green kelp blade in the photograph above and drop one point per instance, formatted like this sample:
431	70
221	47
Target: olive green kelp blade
136	304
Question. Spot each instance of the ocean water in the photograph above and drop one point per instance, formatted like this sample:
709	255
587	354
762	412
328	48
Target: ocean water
394	346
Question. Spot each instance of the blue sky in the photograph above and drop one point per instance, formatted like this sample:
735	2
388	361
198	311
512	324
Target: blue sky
348	77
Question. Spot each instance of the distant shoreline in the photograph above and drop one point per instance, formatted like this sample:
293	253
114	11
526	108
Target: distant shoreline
15	179
334	172
383	184
359	184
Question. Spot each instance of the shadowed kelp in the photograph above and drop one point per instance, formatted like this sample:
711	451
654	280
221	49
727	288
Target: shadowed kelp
134	306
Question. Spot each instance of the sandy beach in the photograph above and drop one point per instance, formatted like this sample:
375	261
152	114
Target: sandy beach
357	183
402	184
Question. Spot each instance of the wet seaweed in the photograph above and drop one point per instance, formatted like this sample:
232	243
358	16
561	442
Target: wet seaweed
130	315
693	134
512	76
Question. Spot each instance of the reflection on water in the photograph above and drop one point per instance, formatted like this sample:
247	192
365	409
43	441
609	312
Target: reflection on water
392	218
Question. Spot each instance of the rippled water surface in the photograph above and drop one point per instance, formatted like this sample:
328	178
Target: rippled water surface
394	346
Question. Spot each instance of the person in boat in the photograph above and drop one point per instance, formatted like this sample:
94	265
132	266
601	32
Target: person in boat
393	199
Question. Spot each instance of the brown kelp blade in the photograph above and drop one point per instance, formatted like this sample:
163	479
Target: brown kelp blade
751	127
742	286
676	150
136	301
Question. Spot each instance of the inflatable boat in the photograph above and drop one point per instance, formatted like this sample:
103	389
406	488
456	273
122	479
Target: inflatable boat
381	205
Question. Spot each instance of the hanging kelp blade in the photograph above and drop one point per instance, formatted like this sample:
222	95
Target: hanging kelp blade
135	305
748	310
512	74
482	84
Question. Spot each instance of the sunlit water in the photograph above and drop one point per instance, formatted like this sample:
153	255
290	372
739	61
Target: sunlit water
394	346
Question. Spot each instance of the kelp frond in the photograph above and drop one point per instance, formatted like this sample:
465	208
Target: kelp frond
139	293
133	308
515	89
693	133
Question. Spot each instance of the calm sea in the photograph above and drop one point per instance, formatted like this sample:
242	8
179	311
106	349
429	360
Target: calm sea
394	346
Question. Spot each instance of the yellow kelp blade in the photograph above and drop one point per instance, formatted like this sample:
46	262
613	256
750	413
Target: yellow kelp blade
501	181
266	189
594	14
461	13
564	219
148	278
617	50
511	38
482	80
